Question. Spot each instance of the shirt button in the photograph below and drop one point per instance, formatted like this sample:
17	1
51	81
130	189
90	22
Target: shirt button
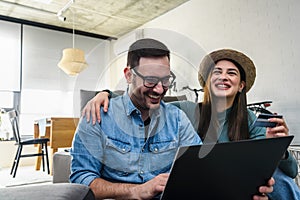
123	149
155	150
141	172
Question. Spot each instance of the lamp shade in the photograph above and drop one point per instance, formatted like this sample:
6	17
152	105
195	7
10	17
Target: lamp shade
72	61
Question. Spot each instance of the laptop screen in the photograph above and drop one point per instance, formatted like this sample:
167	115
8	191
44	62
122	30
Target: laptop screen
232	170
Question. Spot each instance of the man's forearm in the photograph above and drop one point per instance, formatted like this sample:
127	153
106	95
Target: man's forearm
103	189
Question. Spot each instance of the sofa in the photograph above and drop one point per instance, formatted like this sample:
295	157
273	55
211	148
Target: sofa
59	189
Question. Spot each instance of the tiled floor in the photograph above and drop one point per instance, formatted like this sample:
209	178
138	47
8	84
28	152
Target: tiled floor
25	176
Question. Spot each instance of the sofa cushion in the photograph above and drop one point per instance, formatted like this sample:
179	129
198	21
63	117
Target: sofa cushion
58	191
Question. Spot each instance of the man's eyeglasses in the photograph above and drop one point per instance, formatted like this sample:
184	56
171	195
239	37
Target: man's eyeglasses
152	81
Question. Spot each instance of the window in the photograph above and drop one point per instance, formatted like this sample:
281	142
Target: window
10	48
46	90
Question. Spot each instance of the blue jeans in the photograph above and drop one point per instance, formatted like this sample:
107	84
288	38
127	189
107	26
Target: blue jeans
285	187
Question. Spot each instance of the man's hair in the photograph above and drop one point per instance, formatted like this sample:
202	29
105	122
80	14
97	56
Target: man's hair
146	48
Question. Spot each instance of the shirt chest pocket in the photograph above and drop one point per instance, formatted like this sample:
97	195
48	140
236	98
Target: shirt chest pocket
162	147
117	153
162	153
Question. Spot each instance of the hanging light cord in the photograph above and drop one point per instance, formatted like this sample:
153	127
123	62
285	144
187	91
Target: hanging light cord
60	16
73	30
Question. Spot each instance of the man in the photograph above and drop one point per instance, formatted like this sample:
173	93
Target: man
129	154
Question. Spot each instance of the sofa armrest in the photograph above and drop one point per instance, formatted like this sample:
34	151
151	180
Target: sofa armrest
61	167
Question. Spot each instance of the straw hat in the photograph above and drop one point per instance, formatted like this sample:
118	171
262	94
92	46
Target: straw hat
227	54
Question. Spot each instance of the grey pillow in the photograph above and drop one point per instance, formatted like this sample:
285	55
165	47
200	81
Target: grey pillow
85	96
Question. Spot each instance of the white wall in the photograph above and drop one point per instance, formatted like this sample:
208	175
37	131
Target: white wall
267	31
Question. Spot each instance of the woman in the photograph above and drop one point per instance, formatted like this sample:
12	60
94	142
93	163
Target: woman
226	76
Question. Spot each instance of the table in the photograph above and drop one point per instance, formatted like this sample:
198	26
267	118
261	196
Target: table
60	131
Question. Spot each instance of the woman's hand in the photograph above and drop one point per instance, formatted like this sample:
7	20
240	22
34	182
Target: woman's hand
264	190
279	130
92	108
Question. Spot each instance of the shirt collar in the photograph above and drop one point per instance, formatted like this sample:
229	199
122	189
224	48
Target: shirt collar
130	107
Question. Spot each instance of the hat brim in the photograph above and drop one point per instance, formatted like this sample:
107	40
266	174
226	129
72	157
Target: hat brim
211	59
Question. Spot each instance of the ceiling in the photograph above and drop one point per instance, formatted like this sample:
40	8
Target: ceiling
112	18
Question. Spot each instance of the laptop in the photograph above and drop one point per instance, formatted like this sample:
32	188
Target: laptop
232	170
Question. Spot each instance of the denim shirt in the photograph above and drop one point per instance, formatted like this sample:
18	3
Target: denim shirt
117	149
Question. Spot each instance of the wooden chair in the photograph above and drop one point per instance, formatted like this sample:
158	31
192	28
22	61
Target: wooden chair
13	117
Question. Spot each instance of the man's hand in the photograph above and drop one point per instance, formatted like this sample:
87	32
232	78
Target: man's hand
92	108
264	190
103	189
151	188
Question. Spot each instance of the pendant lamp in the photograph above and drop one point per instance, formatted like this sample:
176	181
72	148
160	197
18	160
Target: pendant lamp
73	59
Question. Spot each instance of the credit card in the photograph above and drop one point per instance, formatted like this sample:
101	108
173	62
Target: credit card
262	120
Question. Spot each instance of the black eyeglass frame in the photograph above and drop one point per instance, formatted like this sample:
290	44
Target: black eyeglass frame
135	72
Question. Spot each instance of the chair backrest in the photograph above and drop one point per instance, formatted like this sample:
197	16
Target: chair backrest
13	118
62	131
